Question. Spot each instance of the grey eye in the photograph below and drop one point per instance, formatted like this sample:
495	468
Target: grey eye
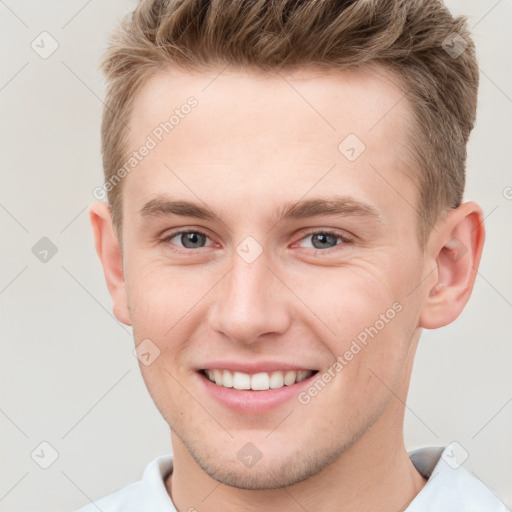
322	240
192	239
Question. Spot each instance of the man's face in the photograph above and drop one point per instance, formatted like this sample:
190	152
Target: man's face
253	292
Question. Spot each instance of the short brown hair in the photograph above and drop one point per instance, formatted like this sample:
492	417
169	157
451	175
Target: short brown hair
430	52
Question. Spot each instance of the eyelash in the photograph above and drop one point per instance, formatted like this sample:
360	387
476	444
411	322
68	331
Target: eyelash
183	250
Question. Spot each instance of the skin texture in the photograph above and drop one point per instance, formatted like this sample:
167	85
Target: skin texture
252	144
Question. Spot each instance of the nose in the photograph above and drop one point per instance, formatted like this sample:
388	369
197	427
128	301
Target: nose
251	303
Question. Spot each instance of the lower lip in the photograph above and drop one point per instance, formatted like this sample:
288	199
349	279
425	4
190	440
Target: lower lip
248	401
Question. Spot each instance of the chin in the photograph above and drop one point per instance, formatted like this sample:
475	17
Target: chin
267	476
279	470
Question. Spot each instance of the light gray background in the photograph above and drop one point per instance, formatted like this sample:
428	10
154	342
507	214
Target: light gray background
68	375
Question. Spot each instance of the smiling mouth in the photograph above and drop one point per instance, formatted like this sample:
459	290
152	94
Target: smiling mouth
261	381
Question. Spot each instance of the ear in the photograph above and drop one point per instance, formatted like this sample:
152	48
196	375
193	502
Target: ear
108	250
455	248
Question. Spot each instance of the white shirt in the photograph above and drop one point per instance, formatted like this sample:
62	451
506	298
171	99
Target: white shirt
450	488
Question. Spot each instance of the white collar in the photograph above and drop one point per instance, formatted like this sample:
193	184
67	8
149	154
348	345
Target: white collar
449	487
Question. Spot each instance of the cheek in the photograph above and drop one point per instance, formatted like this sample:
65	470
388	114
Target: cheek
166	309
370	319
353	299
160	297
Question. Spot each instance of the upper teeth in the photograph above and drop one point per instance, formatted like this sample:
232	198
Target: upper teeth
257	381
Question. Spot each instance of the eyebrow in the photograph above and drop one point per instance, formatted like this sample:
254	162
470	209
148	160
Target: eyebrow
164	206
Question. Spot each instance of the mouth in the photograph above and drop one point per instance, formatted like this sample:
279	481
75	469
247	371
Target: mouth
255	387
261	381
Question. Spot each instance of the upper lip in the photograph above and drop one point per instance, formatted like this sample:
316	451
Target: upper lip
254	367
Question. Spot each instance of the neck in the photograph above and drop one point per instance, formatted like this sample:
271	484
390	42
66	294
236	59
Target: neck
374	474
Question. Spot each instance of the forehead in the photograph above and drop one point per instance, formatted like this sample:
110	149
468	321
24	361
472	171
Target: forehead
226	128
329	102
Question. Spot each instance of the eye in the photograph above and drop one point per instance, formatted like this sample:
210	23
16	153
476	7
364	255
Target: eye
325	239
189	239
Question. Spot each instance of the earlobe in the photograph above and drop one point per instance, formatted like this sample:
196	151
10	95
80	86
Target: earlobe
455	249
108	250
